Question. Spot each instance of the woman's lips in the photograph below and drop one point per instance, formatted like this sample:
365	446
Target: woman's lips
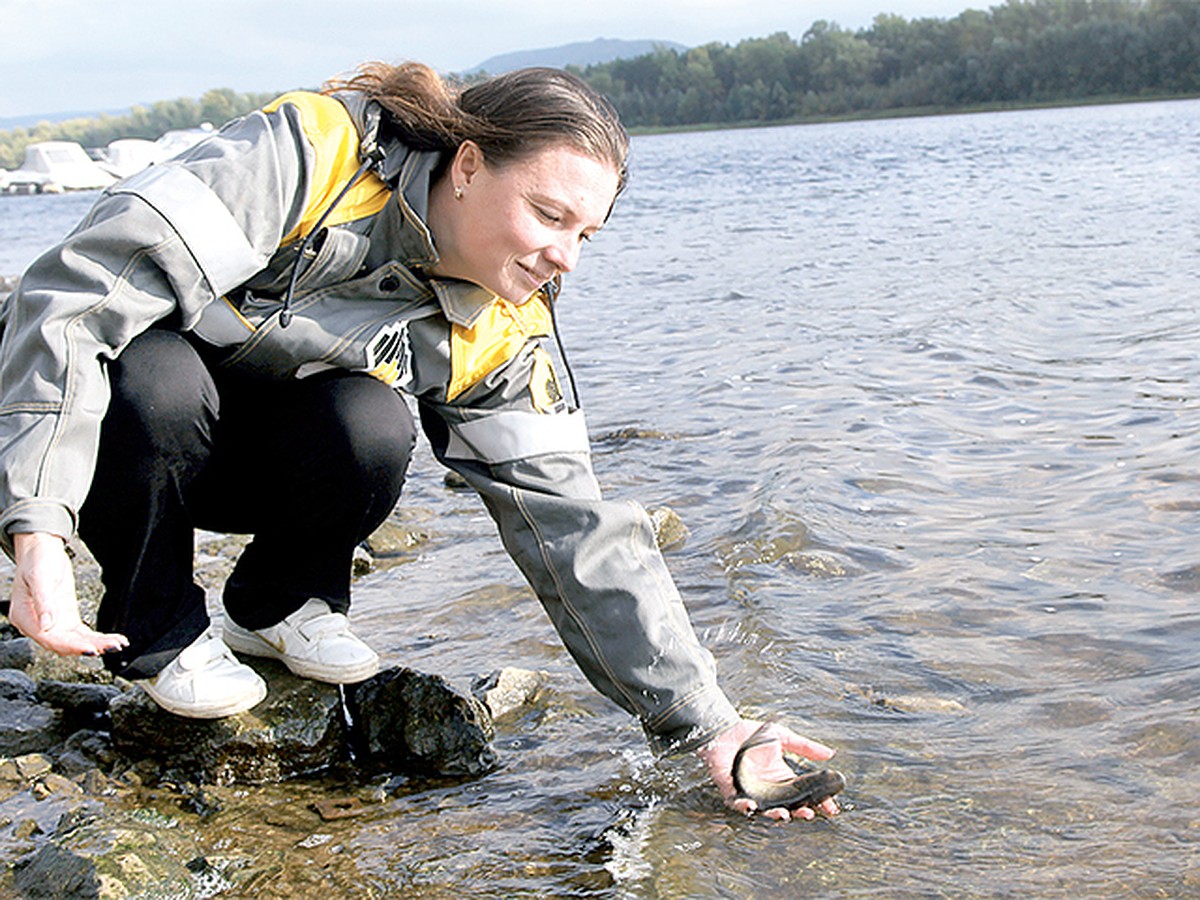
536	278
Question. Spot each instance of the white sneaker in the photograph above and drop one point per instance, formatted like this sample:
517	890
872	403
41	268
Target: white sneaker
313	642
205	681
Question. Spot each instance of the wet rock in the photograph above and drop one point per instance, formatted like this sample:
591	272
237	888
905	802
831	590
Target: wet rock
814	564
82	705
411	720
764	541
335	808
915	703
508	689
119	854
908	703
16	653
52	783
26	828
96	784
632	433
455	482
28	727
362	563
299	728
394	539
16	685
12	778
669	530
85	751
33	765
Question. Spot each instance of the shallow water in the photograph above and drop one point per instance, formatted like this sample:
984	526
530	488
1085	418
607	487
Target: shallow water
926	393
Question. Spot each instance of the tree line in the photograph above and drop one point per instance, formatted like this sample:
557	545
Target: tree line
1023	52
1019	53
151	122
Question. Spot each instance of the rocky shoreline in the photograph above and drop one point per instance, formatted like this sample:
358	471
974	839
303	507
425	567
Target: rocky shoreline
103	794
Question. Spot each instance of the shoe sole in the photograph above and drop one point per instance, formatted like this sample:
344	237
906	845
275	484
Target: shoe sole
212	711
252	645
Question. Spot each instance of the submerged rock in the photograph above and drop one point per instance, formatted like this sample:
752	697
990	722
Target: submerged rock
117	854
411	720
632	433
814	564
908	703
917	703
395	539
508	689
669	530
299	728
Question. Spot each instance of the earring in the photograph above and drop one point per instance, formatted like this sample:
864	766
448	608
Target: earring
458	193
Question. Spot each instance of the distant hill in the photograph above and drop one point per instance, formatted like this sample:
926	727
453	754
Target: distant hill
34	119
582	54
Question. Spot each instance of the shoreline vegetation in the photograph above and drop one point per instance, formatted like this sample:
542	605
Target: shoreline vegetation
912	113
1021	54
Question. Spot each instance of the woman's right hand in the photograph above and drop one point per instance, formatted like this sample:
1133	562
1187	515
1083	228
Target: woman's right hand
44	606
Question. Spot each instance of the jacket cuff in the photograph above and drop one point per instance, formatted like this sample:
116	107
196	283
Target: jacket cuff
35	515
691	723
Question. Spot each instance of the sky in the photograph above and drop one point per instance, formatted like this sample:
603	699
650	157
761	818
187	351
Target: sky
82	55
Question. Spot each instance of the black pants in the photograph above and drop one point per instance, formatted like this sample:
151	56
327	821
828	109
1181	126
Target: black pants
308	467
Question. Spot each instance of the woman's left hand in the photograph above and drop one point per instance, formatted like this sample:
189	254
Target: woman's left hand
768	762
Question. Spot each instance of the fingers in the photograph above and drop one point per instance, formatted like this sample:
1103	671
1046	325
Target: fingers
744	805
44	606
828	809
802	746
80	641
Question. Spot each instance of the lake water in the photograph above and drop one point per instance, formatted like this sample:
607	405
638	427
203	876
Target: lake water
927	394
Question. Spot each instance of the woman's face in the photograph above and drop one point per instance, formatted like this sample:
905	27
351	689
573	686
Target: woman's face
515	226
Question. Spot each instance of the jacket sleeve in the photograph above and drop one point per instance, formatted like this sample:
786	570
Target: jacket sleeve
593	564
156	248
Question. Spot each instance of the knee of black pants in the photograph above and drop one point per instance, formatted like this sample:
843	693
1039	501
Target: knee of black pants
361	437
376	425
164	405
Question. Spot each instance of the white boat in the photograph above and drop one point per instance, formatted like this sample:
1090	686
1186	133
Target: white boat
128	156
178	140
57	166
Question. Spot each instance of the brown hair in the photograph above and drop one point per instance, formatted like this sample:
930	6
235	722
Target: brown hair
510	116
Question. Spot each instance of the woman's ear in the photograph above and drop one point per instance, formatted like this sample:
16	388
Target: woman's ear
468	160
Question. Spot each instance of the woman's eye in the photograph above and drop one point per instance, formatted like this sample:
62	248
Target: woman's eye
546	214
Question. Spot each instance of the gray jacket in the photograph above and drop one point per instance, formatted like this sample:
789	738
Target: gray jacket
207	244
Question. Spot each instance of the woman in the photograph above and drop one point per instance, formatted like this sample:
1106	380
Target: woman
222	342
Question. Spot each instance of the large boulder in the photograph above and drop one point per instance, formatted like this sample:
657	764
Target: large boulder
408	720
299	728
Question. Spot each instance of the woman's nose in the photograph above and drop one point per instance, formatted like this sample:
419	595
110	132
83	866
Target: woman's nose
563	255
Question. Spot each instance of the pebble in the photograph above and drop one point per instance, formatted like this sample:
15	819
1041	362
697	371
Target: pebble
26	828
32	765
